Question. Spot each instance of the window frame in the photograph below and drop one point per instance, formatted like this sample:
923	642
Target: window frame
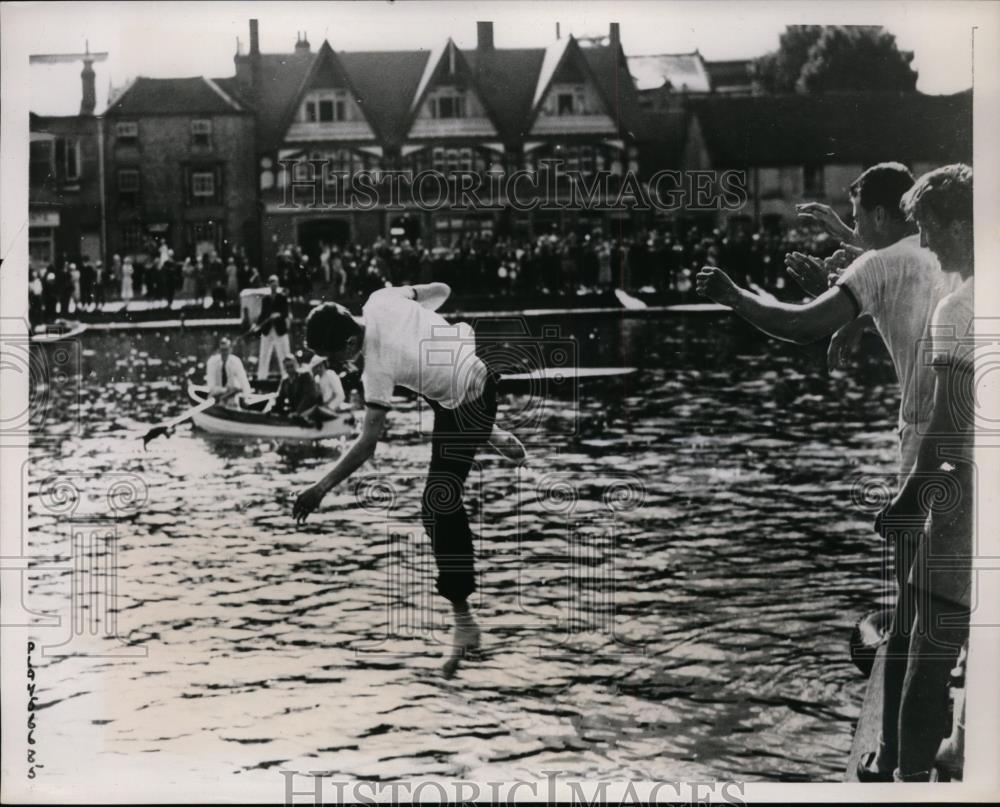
126	131
201	132
122	173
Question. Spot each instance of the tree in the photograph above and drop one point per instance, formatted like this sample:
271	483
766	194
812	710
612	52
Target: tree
779	70
857	58
818	58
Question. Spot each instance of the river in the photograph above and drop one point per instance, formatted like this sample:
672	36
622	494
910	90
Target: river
666	588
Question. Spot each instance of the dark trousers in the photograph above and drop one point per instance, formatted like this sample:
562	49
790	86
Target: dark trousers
458	434
924	642
897	651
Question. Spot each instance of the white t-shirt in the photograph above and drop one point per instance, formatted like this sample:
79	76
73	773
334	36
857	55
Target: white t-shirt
410	346
900	286
942	564
330	387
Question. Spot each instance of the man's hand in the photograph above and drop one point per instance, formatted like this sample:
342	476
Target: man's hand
840	260
827	218
712	282
844	343
307	501
808	271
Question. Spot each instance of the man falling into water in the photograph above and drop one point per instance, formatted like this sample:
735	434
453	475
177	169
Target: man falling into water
404	342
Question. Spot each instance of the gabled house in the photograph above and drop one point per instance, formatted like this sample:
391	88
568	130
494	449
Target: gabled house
487	111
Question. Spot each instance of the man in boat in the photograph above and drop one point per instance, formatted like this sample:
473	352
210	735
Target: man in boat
899	283
273	327
940	580
329	392
297	390
404	342
225	376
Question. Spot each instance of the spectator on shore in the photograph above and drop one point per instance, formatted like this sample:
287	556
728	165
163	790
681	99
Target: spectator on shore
127	274
939	585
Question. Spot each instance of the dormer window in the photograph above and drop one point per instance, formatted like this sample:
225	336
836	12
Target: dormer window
447	104
325	106
571	101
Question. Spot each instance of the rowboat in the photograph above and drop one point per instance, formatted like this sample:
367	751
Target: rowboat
58	331
252	423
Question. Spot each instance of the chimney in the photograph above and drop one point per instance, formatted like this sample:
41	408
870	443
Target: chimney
301	45
89	100
557	30
254	39
484	36
615	35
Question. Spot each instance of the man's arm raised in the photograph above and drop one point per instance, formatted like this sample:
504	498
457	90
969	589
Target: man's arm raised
431	295
356	456
794	323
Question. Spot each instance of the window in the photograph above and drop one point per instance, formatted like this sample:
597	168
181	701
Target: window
201	132
447	104
337	163
40	162
569	100
127	131
133	237
204	236
203	184
68	158
128	180
41	246
325	106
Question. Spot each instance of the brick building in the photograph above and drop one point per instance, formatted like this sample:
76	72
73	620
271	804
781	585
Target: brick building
179	153
65	180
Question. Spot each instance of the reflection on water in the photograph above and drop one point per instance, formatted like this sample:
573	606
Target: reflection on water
692	624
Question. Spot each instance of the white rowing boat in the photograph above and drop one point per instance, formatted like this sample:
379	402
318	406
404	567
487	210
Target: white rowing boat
255	424
57	332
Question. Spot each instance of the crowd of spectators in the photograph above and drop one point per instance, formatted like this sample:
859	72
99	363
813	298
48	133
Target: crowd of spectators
651	261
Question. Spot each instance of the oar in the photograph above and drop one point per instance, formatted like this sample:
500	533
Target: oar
168	426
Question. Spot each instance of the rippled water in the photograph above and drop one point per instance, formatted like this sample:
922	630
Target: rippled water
667	588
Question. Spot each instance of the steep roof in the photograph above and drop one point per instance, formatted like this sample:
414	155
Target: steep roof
506	80
848	127
682	71
174	96
388	85
386	82
731	74
611	73
281	75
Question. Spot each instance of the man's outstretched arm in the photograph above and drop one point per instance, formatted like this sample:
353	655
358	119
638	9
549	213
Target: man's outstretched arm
802	324
431	295
356	456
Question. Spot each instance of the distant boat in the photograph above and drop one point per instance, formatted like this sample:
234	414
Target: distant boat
57	331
